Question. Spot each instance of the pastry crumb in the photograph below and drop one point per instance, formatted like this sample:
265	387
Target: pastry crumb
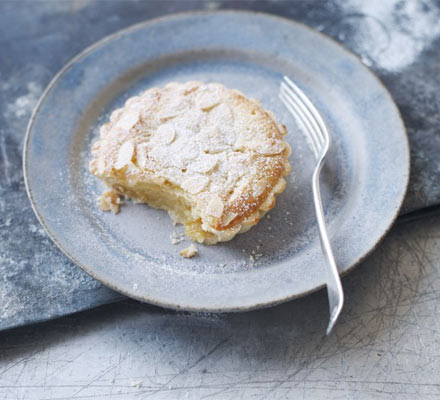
176	238
110	201
189	252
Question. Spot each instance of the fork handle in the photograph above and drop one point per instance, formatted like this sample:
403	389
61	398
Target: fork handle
334	286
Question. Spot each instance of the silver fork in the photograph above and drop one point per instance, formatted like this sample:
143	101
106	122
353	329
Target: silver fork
319	140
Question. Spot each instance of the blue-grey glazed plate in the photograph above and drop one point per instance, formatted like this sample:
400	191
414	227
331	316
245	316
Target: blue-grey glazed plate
364	182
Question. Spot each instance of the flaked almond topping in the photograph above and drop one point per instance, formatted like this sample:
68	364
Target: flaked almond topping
229	217
128	119
116	114
104	130
175	106
133	101
191	87
208	100
172	86
189	151
101	165
205	163
141	155
282	129
158	180
95	149
221	115
166	133
212	132
240	143
125	154
256	101
215	207
271	114
195	185
272	149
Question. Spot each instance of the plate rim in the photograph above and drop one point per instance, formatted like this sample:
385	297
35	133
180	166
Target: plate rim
182	15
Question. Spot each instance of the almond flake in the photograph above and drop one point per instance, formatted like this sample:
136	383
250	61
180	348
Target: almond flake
205	163
95	149
125	154
272	148
115	115
174	108
208	100
212	132
221	115
133	101
215	207
101	165
104	130
141	155
189	151
229	218
128	120
166	133
195	185
191	87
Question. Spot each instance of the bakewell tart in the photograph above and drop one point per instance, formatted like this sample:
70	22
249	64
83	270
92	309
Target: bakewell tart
214	159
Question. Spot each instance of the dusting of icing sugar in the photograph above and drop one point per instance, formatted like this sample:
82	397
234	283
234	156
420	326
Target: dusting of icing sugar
414	29
177	237
24	105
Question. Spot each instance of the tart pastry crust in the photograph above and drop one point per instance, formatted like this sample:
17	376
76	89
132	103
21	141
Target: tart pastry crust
214	159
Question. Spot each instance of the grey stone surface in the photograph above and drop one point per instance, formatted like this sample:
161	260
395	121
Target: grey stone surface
386	345
399	40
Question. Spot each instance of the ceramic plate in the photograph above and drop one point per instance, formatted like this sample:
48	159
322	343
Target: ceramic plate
363	184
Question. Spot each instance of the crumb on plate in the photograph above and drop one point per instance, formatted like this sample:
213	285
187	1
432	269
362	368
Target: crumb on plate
189	252
110	201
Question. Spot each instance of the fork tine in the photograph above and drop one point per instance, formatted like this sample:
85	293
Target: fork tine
305	100
317	129
309	123
296	112
307	128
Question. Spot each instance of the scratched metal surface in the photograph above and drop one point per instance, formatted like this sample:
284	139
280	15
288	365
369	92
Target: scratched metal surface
386	346
399	40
